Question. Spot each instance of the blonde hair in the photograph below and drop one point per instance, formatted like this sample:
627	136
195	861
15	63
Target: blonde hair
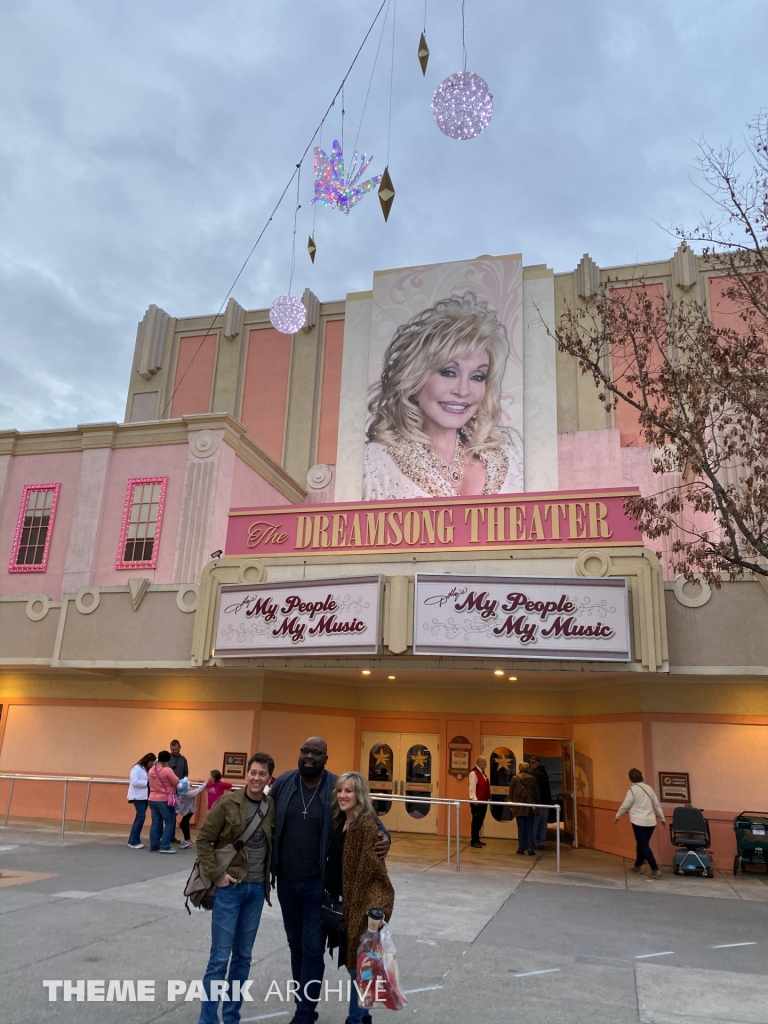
363	809
451	329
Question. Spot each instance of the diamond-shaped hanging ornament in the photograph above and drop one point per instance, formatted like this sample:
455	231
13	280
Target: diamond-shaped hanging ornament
386	193
311	248
423	54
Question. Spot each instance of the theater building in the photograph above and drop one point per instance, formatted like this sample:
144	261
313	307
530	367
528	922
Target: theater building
240	565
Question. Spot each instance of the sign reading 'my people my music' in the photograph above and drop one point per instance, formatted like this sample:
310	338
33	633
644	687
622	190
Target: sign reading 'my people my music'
555	519
567	618
339	616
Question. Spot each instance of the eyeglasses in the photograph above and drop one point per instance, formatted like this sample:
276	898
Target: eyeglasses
306	751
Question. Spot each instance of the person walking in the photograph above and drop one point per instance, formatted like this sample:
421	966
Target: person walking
644	808
162	803
541	820
138	795
355	879
178	764
479	790
241	889
303	824
524	790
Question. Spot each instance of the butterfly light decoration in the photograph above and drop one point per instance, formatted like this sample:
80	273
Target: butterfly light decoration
333	186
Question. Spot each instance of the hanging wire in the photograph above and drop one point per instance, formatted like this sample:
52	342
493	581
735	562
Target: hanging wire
295	219
342	117
276	207
463	43
373	69
391	79
425	17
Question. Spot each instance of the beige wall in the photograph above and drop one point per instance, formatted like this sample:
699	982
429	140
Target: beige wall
730	629
728	764
104	741
282	733
605	751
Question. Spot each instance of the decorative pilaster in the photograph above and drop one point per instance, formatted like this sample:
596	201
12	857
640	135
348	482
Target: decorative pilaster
587	278
150	341
685	267
233	319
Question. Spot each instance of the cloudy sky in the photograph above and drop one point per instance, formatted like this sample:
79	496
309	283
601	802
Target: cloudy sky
145	142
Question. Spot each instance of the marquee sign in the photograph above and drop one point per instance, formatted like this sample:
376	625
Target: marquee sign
338	616
567	618
550	519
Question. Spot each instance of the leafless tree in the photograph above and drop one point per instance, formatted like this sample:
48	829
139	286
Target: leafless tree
699	389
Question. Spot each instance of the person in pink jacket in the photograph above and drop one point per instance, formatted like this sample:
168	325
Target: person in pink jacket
162	803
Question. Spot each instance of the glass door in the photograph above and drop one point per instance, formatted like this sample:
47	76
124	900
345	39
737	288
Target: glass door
402	764
503	754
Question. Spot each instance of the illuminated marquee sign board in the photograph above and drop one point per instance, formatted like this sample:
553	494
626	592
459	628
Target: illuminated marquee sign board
338	616
554	519
568	618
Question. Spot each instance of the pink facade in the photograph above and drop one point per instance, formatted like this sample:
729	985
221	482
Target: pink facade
62	468
94	488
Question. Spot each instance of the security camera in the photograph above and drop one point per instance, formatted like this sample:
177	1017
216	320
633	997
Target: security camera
217	554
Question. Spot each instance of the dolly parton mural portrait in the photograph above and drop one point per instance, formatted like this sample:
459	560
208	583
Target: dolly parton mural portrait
445	407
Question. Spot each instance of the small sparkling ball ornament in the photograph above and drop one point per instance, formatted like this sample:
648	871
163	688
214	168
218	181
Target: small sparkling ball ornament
462	105
287	314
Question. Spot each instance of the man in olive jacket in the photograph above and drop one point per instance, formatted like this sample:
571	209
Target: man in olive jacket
240	889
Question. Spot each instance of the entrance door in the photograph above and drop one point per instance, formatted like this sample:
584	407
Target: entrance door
503	754
403	764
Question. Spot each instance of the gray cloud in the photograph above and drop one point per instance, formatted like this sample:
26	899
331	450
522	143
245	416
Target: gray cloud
144	145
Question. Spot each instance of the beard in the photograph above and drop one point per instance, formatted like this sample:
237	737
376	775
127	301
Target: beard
311	771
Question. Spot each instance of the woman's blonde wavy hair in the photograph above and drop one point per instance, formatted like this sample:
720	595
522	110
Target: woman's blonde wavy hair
451	329
363	806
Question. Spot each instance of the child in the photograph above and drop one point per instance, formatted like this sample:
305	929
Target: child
187	803
216	787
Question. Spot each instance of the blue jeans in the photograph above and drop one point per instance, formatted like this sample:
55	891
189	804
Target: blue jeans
356	1011
300	903
140	807
525	833
234	923
540	827
163	818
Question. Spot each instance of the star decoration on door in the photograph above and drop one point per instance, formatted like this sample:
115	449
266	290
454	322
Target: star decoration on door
419	759
503	762
381	757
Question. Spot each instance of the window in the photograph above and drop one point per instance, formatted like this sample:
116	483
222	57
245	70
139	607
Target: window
34	528
142	518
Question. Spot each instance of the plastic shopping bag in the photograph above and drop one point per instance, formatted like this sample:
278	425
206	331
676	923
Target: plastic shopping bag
377	975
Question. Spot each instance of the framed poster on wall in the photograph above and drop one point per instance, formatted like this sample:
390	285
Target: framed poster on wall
674	788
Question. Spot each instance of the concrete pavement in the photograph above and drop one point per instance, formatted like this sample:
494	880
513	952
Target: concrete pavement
507	940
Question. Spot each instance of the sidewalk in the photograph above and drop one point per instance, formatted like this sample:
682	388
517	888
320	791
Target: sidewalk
506	940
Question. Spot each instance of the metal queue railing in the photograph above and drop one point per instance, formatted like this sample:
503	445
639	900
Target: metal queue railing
451	805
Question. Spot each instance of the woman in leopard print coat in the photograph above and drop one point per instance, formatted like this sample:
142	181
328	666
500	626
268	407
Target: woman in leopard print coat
354	871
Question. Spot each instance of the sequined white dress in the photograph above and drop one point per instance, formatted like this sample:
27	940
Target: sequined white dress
383	479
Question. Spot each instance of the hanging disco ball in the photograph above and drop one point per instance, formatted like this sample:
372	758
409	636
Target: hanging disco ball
462	105
287	314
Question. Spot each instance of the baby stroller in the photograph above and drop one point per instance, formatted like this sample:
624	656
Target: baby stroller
690	832
751	828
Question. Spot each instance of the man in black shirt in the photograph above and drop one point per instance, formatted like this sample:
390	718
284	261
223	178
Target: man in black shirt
180	768
304	819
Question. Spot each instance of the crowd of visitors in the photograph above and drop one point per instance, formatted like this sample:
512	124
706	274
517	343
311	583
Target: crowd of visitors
161	783
317	839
